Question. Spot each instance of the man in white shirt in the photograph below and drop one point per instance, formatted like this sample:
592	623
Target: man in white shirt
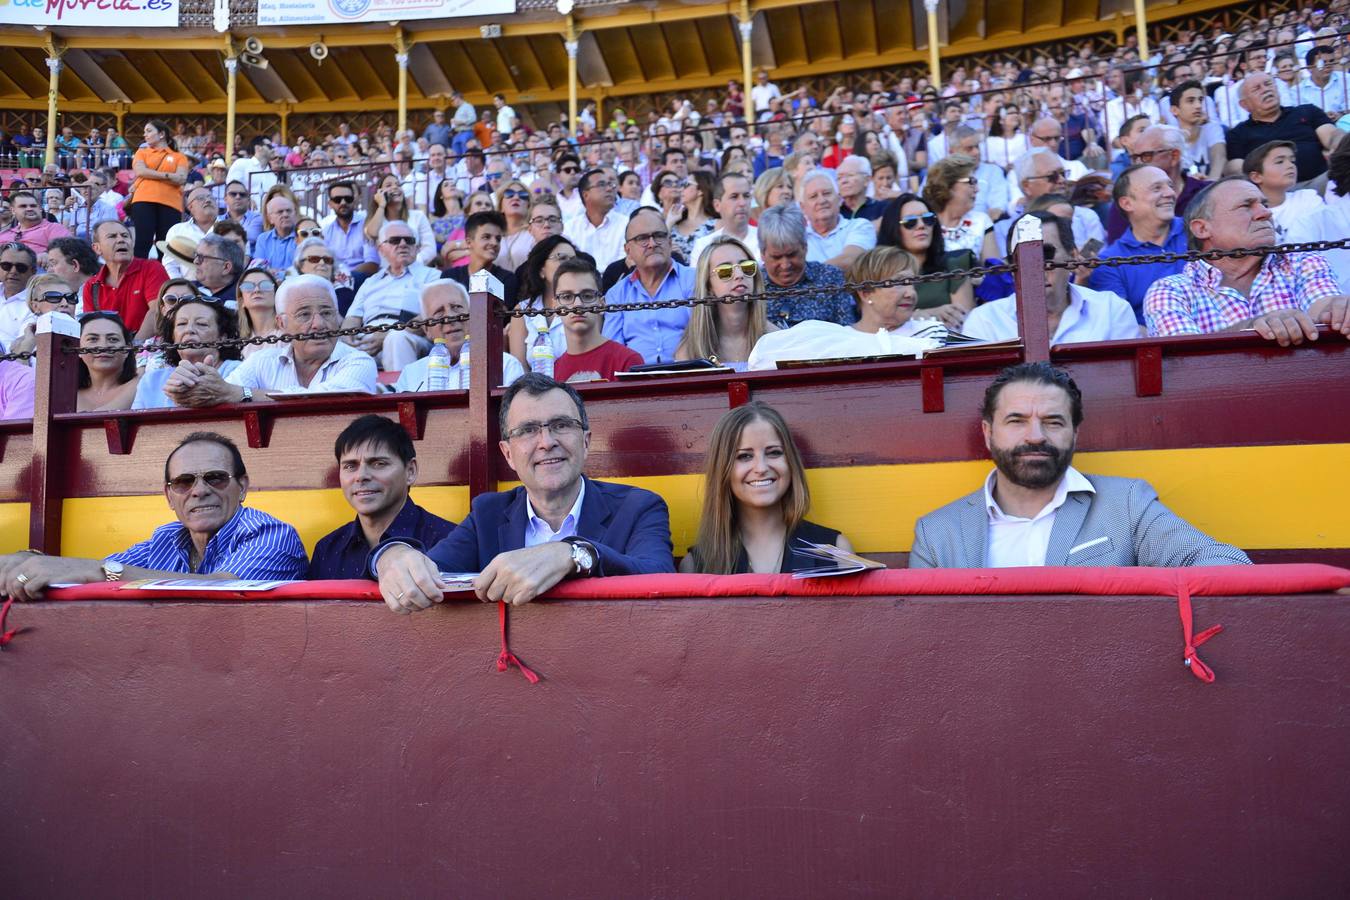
305	304
201	207
830	238
1075	314
763	92
732	199
18	265
1035	509
506	116
392	295
442	298
255	170
1298	214
1205	151
599	228
1041	171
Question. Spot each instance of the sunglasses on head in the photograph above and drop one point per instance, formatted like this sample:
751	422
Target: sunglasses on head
216	480
309	233
401	239
726	271
909	223
175	299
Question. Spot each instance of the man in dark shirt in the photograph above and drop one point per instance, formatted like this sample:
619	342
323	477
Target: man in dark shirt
1308	127
377	465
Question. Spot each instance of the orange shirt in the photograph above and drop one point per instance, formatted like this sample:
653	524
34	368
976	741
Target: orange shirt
149	190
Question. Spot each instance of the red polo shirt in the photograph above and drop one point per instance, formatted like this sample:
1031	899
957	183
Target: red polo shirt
133	295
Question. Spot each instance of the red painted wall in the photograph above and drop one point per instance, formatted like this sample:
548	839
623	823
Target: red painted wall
769	747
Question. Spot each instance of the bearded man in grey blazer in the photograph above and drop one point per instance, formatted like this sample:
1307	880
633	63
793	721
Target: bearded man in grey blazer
1035	509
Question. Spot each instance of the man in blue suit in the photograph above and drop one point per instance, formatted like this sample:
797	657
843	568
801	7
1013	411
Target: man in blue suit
558	524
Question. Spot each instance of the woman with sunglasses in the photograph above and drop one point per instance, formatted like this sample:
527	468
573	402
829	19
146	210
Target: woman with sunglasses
388	203
725	332
909	224
108	378
447	223
171	293
46	293
513	200
313	257
755	499
536	284
666	189
257	315
950	193
188	317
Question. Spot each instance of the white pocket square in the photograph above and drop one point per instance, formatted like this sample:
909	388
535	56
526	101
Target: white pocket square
1101	540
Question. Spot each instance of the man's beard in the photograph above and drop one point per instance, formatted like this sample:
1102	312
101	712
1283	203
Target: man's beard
1032	472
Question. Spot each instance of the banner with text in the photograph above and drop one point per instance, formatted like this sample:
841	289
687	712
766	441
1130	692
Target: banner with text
320	12
91	13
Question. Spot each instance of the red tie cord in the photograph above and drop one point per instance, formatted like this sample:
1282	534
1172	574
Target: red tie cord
7	636
507	659
1191	658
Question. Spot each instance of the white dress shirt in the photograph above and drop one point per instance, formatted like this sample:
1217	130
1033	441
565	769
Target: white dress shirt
1014	541
537	531
846	232
604	242
262	180
14	315
383	295
751	241
172	264
273	369
1090	316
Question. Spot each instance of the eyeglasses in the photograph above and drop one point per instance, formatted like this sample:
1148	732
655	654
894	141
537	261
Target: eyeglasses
584	298
927	220
305	316
259	284
341	198
1057	175
546	220
1048	137
969	179
199	258
401	239
21	268
59	299
236	193
748	267
561	427
315	260
651	237
216	480
1147	156
602	184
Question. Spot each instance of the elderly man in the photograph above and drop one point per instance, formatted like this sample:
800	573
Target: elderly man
125	285
442	298
216	537
202	217
218	262
782	246
391	295
855	173
1307	126
31	228
1163	147
377	467
1147	197
305	304
239	210
733	196
558	524
437	130
992	199
18	264
1038	172
599	228
1075	314
1035	509
1283	297
276	246
254	171
344	232
657	275
831	239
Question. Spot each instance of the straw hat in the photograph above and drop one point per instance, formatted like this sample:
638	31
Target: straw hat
180	247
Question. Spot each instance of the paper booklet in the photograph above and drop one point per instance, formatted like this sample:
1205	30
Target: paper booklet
834	560
458	581
201	584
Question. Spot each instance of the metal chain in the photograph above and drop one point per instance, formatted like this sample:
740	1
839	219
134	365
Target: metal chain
1206	255
18	357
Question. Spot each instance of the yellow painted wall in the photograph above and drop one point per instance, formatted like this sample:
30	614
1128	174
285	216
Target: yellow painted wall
1285	497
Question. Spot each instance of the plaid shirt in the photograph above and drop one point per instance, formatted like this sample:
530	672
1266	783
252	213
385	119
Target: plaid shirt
1194	302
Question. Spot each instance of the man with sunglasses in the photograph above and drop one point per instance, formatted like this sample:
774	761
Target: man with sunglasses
568	169
239	210
599	228
18	265
218	262
344	232
202	217
392	295
1162	147
1038	172
558	524
216	537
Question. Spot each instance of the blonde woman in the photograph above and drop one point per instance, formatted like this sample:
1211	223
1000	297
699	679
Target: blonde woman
513	201
725	332
773	188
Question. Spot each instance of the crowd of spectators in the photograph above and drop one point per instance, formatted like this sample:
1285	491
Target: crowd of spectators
1217	141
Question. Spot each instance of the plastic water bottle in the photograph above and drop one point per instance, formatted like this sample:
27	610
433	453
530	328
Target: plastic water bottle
541	355
464	364
438	367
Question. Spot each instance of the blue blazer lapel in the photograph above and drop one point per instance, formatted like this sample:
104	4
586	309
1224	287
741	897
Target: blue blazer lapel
511	533
975	531
595	513
1068	523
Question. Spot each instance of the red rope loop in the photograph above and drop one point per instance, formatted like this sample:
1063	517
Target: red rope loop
1190	658
507	659
7	636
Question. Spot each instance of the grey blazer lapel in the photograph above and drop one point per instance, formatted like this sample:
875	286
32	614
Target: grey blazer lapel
974	531
1068	523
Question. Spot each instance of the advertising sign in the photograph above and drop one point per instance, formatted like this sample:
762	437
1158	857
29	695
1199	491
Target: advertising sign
323	12
91	13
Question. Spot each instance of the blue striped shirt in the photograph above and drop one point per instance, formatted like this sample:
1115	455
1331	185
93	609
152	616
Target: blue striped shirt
251	546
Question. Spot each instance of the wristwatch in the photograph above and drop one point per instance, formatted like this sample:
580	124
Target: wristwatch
248	395
583	555
112	570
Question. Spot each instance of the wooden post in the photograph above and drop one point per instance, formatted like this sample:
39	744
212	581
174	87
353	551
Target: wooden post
285	123
1141	29
572	47
1029	289
485	373
934	71
401	57
231	96
53	60
747	31
53	461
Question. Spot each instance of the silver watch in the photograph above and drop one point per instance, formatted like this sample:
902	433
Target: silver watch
583	557
112	570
